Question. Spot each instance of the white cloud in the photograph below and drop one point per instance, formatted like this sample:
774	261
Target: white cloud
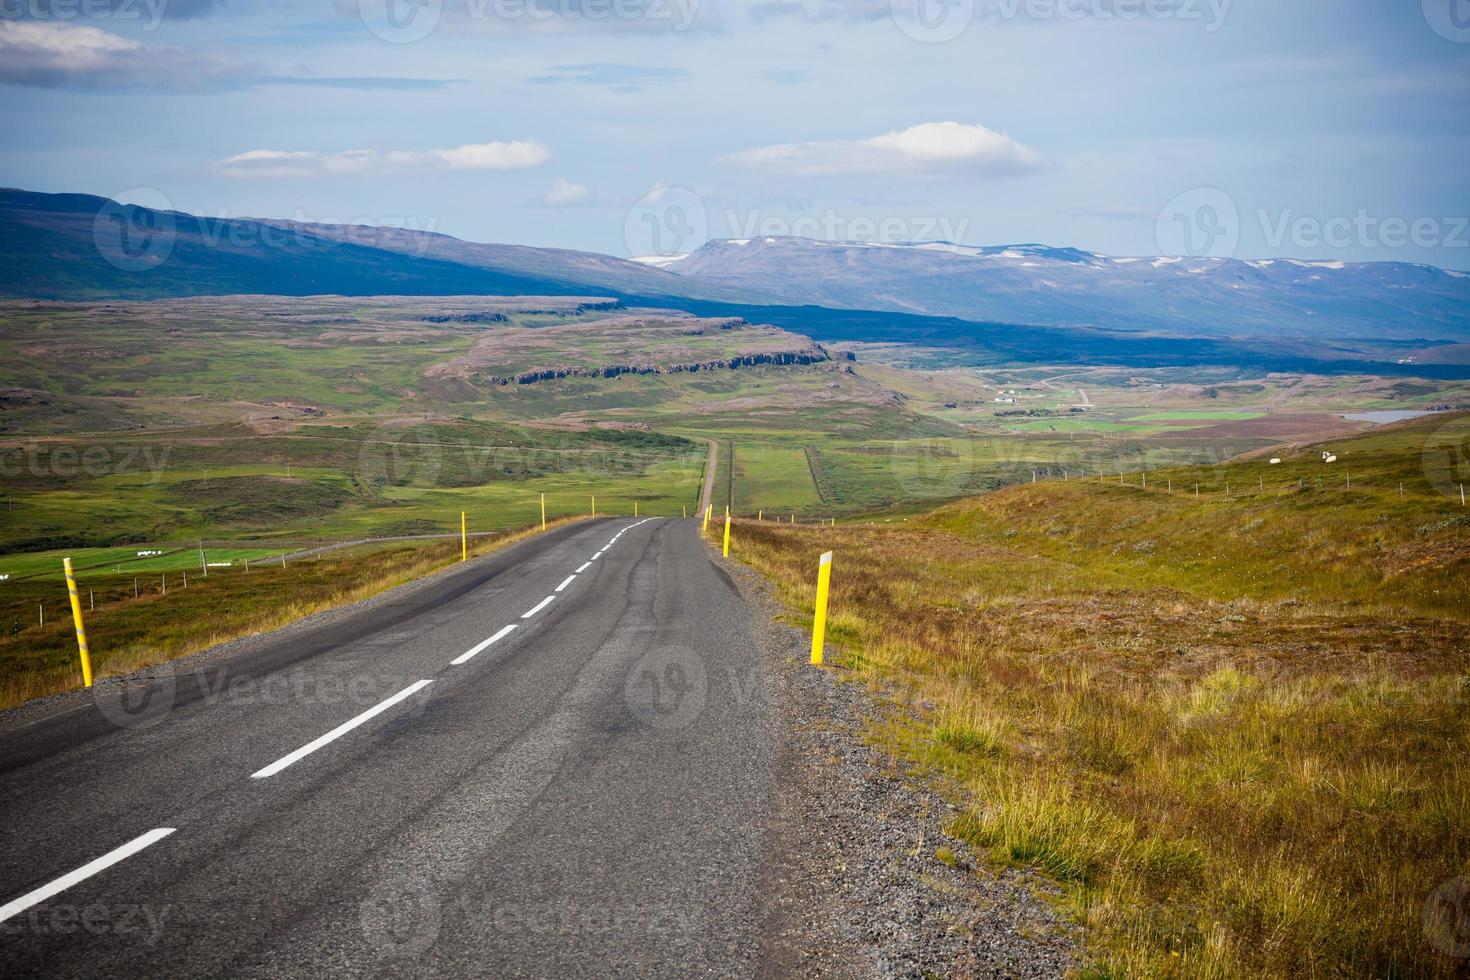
53	54
565	192
927	147
498	155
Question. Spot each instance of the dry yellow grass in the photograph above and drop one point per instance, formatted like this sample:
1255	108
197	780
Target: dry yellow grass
1270	783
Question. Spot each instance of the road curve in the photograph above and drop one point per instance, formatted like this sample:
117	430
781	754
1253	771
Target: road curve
556	760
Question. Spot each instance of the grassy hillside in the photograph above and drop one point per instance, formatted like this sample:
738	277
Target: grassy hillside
1234	727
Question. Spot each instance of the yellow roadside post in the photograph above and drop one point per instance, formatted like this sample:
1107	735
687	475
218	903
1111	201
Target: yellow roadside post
706	519
464	541
594	505
635	508
727	532
543	512
685	509
76	614
819	622
760	516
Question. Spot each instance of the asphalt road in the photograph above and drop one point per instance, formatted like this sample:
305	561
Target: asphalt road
584	795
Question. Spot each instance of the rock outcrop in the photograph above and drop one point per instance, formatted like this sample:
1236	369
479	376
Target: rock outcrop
811	355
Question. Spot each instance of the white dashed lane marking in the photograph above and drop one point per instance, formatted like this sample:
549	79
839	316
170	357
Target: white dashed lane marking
338	732
35	897
537	607
504	631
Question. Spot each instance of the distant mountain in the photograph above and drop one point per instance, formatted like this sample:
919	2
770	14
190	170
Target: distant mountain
1016	304
552	264
1037	284
74	246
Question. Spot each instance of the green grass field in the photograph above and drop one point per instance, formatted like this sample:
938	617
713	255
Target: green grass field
775	479
1187	416
88	562
1078	425
332	482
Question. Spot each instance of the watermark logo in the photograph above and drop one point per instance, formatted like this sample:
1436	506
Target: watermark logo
400	455
667	221
71	461
834	226
594	919
1206	223
138	703
1446	917
137	236
400	21
406	21
932	21
1446	458
667	688
150	12
938	21
400	919
931	467
145	701
1450	19
1363	230
1200	223
144	923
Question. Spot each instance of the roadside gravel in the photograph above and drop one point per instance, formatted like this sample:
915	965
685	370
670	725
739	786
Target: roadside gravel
853	887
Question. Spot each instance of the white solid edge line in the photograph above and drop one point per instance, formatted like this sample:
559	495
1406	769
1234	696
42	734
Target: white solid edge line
585	565
481	645
16	906
566	582
537	607
338	732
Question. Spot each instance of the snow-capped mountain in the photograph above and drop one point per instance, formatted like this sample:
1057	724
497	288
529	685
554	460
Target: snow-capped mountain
1039	284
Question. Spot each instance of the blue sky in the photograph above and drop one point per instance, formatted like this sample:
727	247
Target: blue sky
1260	128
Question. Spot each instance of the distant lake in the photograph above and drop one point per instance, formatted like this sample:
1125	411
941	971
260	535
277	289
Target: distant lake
1383	418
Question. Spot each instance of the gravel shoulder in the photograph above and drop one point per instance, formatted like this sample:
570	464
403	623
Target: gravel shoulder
852	886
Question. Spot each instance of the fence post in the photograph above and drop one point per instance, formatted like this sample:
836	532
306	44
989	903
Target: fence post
819	621
76	614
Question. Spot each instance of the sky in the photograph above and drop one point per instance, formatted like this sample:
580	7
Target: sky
1253	128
